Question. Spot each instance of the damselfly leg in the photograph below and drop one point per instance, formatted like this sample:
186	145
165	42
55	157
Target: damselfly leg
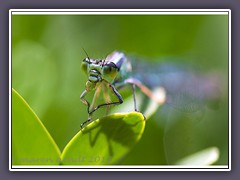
90	112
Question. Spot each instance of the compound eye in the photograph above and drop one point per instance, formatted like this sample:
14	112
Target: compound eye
84	65
107	69
110	70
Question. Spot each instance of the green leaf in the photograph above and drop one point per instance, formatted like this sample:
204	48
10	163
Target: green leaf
205	157
104	141
31	142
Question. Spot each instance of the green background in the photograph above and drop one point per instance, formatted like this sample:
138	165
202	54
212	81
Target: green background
46	57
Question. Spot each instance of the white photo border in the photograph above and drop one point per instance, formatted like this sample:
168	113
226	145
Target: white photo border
120	12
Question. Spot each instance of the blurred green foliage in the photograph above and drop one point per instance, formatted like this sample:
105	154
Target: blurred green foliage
46	56
31	142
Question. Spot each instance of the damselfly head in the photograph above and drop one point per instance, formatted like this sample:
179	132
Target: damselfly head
100	69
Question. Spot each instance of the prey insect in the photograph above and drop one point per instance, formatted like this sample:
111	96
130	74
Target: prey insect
112	73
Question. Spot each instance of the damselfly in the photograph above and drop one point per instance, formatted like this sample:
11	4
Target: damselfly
162	84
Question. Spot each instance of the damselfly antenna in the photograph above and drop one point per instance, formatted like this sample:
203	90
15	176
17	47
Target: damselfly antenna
86	53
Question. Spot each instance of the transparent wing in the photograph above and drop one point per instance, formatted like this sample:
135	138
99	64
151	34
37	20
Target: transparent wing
186	90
